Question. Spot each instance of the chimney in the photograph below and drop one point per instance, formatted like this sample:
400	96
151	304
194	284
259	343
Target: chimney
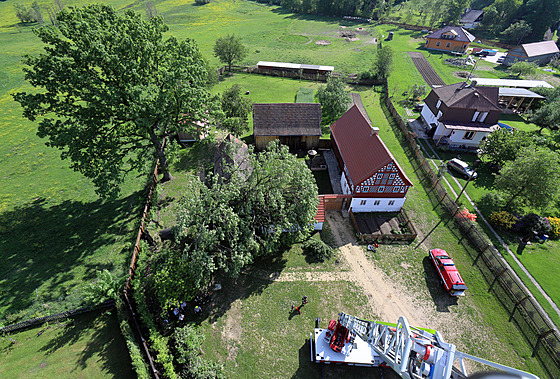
473	83
373	131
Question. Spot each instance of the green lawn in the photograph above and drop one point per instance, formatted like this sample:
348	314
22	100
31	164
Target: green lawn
89	346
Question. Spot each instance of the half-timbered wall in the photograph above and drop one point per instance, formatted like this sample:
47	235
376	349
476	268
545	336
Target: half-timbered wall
386	183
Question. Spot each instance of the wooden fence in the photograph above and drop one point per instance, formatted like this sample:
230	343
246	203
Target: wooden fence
535	324
386	238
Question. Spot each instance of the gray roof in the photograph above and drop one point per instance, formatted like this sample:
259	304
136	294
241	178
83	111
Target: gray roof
519	92
462	95
287	119
232	155
471	16
462	34
511	83
540	48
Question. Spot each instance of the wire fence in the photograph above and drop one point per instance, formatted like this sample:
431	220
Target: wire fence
58	316
541	333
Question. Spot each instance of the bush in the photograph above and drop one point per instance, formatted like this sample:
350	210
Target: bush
503	220
533	223
187	341
492	200
555	226
316	250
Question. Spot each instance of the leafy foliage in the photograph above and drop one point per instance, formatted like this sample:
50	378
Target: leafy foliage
187	342
236	109
103	288
502	146
230	49
555	227
112	88
516	31
523	68
503	220
225	224
334	100
382	62
532	222
532	177
316	250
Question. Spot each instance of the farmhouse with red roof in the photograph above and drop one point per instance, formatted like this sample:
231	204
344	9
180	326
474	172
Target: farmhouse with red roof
370	173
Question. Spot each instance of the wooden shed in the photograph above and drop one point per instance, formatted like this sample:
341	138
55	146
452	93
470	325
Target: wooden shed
297	125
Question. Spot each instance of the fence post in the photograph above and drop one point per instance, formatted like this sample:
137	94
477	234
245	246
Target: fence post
539	340
496	279
516	305
480	254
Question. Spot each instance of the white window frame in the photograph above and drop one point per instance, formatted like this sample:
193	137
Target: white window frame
363	202
376	202
475	116
438	104
381	189
483	117
391	202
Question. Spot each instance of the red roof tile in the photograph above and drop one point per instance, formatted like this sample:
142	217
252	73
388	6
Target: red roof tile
320	216
361	148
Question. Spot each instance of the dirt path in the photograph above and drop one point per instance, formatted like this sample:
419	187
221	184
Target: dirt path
386	298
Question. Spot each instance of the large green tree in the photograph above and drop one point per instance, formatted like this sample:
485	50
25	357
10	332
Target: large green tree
541	15
334	100
224	224
382	62
110	89
236	109
532	178
230	49
502	146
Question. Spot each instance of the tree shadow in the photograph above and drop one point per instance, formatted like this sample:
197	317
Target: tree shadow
41	246
440	297
99	330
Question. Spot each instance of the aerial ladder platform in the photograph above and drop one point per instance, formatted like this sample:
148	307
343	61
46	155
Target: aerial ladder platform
411	352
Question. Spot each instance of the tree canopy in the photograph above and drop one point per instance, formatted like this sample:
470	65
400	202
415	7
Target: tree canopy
502	146
532	178
523	68
382	62
334	100
230	49
224	224
236	109
110	89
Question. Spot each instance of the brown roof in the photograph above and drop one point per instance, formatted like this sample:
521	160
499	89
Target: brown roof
462	34
460	95
362	150
540	48
287	119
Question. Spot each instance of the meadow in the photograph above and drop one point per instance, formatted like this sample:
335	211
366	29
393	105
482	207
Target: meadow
89	346
55	232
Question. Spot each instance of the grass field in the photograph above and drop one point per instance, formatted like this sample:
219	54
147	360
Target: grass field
262	307
55	233
89	346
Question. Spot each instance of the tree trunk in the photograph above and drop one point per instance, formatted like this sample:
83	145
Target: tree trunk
163	166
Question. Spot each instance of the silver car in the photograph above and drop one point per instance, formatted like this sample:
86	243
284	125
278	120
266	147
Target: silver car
462	168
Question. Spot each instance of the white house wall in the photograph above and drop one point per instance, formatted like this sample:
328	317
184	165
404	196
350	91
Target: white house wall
383	206
428	116
344	184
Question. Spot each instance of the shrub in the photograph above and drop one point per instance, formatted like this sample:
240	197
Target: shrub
555	225
316	250
187	341
503	220
492	200
533	223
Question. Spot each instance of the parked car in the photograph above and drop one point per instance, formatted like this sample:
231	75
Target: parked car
501	59
450	277
462	168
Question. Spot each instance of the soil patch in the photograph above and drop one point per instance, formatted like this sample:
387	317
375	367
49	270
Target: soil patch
322	42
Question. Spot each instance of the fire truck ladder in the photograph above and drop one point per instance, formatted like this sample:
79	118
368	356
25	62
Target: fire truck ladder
414	353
